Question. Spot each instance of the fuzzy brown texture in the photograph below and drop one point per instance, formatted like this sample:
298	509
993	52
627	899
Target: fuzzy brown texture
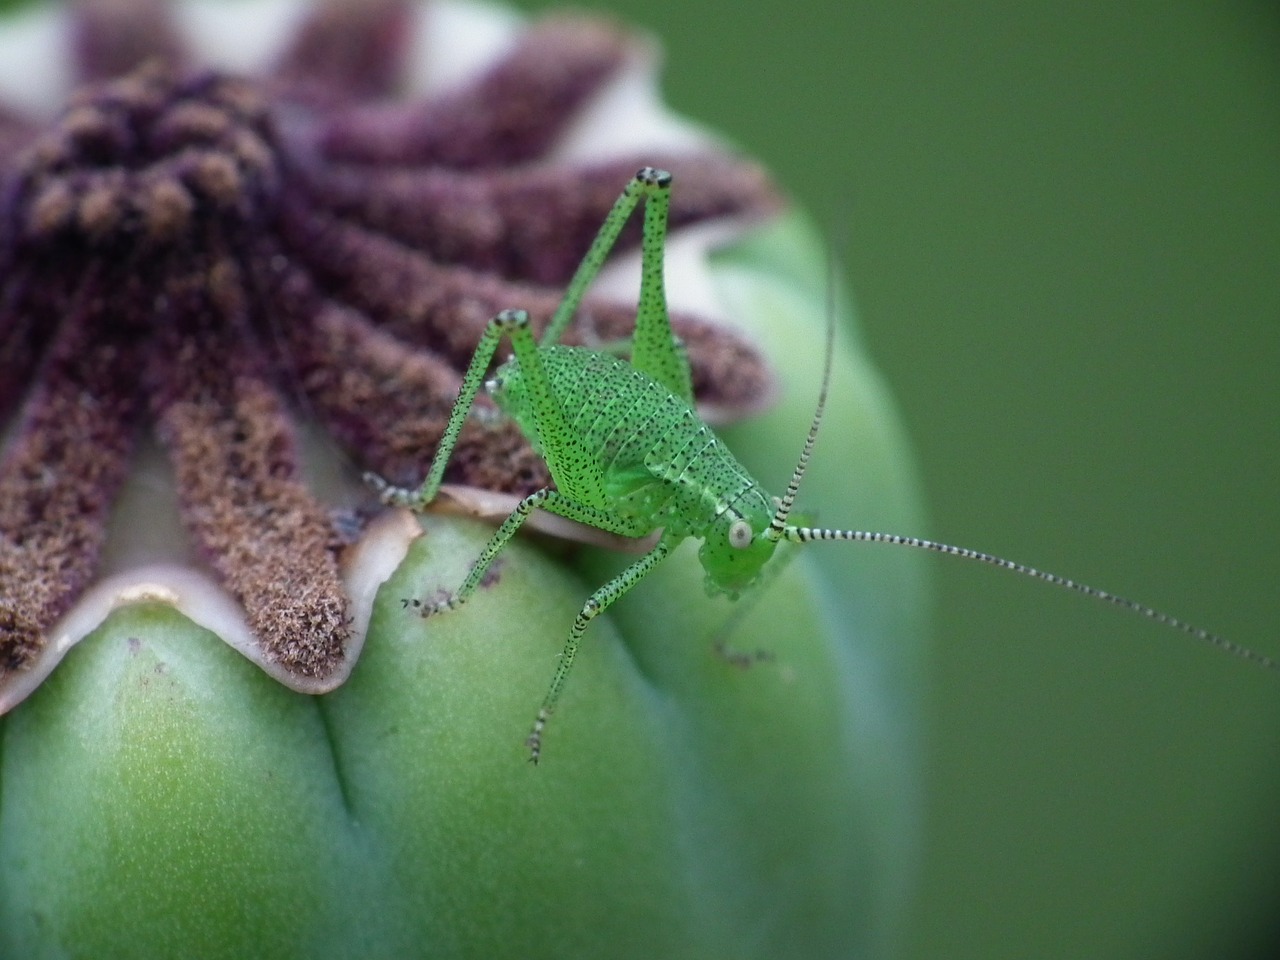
60	475
195	254
446	308
235	461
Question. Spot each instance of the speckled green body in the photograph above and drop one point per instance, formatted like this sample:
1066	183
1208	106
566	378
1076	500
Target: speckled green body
627	451
660	466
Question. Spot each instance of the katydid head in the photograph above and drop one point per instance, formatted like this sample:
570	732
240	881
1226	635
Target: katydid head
736	548
743	537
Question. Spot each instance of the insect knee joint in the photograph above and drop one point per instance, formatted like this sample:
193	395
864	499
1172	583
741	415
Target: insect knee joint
509	320
653	178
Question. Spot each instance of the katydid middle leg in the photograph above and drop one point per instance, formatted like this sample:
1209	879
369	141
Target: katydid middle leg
596	604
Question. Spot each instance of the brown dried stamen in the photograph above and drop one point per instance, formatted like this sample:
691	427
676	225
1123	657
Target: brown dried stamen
59	478
194	247
235	462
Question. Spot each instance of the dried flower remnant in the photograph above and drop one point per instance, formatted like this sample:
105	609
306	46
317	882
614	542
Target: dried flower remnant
188	253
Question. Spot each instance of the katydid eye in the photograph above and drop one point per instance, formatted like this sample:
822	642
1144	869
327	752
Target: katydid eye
740	534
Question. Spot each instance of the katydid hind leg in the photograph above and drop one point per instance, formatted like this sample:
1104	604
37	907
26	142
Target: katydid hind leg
591	263
576	471
654	349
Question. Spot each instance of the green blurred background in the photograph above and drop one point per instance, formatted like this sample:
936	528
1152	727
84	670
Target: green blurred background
1063	233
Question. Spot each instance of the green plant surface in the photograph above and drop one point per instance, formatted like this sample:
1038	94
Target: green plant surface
161	796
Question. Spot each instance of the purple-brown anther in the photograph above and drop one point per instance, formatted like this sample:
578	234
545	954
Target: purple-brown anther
192	255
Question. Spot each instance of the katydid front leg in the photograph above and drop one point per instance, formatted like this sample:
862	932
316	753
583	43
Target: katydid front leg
418	498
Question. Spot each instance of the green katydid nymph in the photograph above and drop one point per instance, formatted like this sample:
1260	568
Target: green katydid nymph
630	455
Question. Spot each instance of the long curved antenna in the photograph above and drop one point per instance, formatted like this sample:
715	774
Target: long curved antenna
810	534
779	529
778	525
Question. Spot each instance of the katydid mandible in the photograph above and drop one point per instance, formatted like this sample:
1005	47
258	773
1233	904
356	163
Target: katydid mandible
629	454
